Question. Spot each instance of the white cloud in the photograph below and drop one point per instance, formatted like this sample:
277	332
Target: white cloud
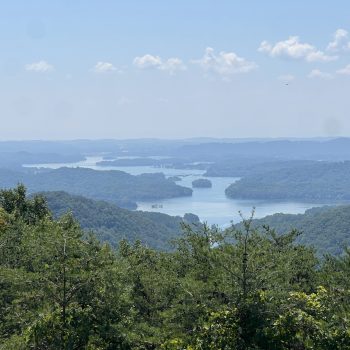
286	78
316	73
340	41
224	63
149	61
104	67
172	65
345	70
294	49
41	67
265	47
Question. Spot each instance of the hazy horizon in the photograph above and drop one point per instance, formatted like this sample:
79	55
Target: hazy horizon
194	139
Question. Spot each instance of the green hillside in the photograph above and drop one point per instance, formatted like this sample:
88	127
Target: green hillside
114	186
304	181
325	228
63	289
111	223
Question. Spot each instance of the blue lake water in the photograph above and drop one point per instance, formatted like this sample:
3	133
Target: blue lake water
210	204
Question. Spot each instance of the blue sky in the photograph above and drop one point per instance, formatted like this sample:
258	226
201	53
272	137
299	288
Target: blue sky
174	69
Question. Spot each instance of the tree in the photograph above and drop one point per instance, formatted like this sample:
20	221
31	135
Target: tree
59	289
246	273
15	201
308	322
225	290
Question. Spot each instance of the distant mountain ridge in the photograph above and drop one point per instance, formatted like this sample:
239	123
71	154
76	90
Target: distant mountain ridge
193	147
334	149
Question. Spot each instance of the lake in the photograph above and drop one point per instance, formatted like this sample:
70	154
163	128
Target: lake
210	204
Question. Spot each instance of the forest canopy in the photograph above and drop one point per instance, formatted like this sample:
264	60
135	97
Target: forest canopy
114	186
112	224
242	289
313	181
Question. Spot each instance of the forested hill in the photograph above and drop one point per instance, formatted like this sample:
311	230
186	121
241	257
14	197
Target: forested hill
305	181
61	289
325	228
15	160
241	167
115	186
334	149
112	224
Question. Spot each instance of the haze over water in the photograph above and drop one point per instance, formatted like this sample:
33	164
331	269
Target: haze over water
210	204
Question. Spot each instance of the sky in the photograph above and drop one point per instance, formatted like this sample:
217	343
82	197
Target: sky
174	69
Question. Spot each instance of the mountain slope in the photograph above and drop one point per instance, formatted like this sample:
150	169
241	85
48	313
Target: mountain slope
114	186
305	181
326	228
112	223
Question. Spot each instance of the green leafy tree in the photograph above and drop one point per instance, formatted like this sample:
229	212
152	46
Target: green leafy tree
308	322
60	291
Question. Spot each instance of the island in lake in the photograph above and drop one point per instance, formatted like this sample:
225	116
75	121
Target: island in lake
201	183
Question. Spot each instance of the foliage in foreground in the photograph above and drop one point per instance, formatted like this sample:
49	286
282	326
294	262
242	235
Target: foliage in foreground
233	290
